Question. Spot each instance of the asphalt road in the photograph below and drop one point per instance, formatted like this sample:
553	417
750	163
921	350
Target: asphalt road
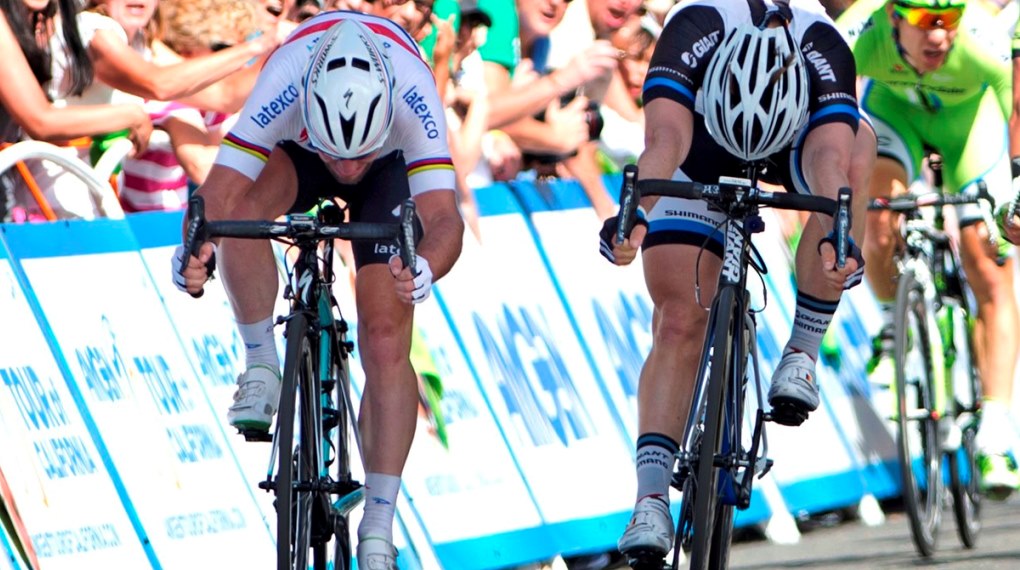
829	542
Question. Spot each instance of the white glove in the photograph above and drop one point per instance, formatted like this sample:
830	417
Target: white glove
422	279
175	268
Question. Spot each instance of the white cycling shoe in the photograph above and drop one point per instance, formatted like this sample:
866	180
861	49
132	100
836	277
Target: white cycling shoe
650	531
793	392
376	554
256	399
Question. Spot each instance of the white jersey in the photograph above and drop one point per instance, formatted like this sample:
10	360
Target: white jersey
272	113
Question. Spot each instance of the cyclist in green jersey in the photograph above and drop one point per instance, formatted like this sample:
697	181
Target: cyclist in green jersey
929	83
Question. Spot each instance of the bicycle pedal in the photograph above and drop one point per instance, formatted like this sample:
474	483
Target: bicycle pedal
646	560
255	435
787	414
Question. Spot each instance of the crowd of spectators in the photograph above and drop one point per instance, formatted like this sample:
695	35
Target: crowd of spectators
533	88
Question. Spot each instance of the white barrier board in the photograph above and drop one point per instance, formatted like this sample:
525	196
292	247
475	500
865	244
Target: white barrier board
140	390
58	479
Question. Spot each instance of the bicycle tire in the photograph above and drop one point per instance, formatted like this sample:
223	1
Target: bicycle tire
964	475
708	547
297	453
918	447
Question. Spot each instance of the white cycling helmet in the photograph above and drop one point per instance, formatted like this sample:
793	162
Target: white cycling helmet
347	96
755	91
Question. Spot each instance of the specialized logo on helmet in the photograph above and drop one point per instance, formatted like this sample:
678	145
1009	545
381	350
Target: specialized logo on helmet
700	48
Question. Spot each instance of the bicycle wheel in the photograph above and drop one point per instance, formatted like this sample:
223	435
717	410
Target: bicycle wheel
299	434
713	520
919	450
964	476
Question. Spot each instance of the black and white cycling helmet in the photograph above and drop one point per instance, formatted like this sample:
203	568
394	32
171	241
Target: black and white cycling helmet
755	91
347	96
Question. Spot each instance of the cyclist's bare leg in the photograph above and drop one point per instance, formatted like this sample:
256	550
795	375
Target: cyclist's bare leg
888	180
993	287
389	405
678	328
247	267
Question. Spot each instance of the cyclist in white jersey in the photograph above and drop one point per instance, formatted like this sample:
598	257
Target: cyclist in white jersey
345	107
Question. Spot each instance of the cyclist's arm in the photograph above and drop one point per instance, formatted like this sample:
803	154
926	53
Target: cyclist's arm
826	159
669	128
443	229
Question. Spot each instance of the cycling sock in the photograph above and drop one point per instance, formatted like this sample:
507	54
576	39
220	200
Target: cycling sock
809	324
380	503
259	343
655	453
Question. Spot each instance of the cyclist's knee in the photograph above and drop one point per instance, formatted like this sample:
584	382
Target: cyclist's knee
680	322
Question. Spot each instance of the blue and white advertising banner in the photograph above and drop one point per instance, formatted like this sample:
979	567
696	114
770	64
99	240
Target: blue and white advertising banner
209	335
610	304
471	496
58	478
805	485
539	382
140	390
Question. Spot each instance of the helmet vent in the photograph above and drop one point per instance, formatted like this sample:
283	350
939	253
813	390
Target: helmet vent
371	114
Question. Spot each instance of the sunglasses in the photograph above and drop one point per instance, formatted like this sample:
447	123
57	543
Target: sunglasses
930	18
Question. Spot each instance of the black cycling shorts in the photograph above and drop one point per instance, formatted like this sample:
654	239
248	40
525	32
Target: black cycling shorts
376	198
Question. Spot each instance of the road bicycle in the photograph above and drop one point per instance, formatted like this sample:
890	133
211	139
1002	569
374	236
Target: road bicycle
310	462
715	465
937	385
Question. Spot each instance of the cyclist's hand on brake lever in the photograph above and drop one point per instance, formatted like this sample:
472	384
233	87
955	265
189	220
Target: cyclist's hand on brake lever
848	276
198	271
412	288
621	253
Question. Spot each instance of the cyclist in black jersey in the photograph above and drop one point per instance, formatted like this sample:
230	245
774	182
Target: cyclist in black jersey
730	82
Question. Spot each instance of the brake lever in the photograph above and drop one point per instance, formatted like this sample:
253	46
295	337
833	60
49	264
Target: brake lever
841	226
630	196
407	235
194	235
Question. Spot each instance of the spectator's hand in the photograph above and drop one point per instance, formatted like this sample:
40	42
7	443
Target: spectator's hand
524	73
263	44
446	38
503	154
140	132
569	125
598	59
